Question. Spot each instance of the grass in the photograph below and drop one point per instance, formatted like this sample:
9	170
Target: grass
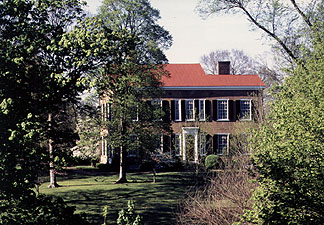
156	202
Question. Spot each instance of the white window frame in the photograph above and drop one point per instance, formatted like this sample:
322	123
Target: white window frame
177	146
202	144
250	110
193	109
218	143
104	146
105	111
219	110
177	110
202	111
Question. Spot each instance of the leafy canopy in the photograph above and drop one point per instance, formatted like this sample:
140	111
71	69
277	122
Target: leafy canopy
288	150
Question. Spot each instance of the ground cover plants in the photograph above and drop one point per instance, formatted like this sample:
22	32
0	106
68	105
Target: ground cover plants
90	191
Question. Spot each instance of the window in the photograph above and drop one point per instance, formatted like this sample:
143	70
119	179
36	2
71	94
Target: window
158	144
105	111
177	144
189	106
222	110
245	109
202	144
202	109
177	110
104	146
222	144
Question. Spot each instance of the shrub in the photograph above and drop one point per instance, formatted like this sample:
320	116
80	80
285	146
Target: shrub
129	217
212	162
222	201
40	210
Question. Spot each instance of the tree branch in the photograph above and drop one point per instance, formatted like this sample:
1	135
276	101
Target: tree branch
273	35
306	19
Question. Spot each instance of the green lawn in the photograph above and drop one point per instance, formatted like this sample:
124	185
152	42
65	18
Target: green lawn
156	202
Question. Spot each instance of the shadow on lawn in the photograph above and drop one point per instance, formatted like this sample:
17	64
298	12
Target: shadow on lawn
156	202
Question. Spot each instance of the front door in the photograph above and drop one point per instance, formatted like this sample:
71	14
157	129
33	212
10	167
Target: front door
190	147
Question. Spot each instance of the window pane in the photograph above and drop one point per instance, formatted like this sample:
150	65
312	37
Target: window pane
202	144
189	110
201	109
222	144
177	112
222	109
245	109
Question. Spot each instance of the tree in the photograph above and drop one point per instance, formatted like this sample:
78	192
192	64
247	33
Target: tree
134	122
88	128
288	24
288	149
134	76
140	20
243	64
240	62
42	68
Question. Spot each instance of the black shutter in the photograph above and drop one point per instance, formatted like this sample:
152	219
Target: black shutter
215	147
166	110
255	111
215	110
183	110
231	110
209	144
146	113
172	110
196	107
166	143
208	110
238	109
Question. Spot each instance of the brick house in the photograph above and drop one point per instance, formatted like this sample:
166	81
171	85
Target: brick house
203	109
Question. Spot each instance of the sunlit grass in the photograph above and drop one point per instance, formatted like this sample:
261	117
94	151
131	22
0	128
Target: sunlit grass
156	202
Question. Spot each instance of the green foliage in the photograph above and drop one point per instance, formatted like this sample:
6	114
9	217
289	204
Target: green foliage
139	18
38	74
130	77
88	128
288	150
212	162
129	217
41	210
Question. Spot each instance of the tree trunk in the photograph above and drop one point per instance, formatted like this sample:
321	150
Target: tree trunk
122	167
52	174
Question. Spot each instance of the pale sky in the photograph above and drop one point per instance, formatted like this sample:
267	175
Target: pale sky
194	37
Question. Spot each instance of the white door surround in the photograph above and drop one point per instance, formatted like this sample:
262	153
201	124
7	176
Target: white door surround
194	131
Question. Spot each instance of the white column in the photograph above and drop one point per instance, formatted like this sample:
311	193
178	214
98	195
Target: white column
184	153
196	146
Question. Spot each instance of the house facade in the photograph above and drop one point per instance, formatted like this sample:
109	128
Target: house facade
202	110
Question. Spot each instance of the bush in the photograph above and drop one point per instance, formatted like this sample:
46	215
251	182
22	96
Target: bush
129	217
40	210
212	162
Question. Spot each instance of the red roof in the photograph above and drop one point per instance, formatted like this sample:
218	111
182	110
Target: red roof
193	75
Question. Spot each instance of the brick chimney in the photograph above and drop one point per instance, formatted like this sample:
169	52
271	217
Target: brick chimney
224	67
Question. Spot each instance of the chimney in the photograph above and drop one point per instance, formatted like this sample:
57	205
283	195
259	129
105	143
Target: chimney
224	67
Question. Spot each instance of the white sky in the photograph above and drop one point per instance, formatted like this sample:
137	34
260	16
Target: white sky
194	37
